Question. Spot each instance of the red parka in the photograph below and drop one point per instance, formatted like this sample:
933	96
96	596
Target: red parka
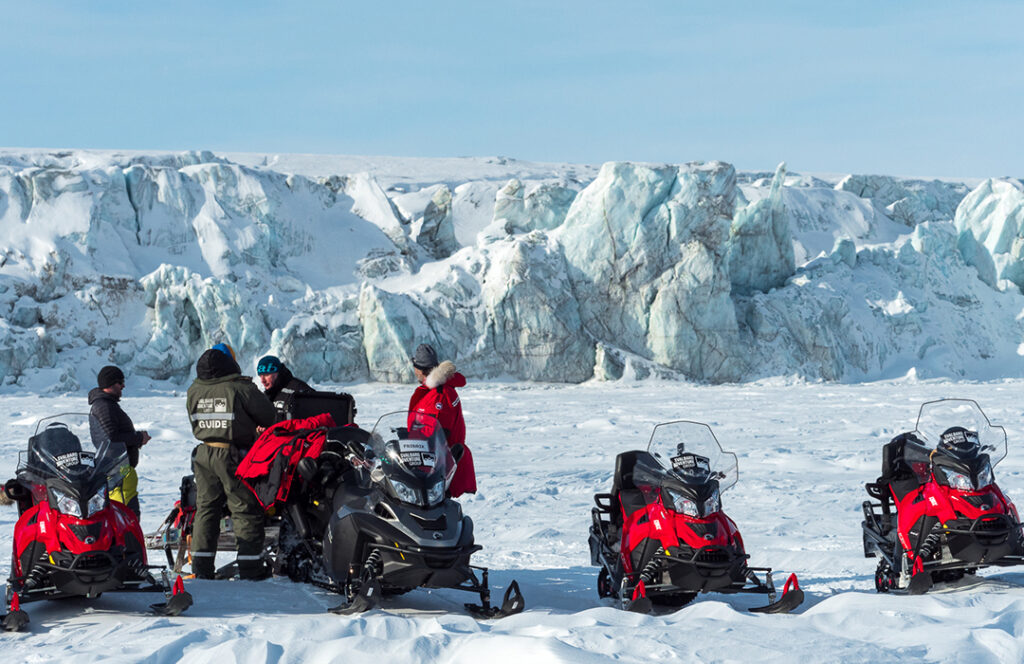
437	397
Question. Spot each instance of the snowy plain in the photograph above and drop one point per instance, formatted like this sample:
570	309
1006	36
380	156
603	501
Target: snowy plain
542	450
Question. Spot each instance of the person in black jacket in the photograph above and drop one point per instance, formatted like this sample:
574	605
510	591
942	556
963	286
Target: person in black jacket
279	384
107	421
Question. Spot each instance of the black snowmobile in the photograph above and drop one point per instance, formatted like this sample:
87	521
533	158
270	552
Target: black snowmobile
372	517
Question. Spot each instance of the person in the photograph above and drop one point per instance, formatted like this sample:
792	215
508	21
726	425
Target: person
225	409
108	421
279	384
436	396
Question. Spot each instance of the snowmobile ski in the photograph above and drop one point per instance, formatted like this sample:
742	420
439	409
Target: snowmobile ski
511	604
178	599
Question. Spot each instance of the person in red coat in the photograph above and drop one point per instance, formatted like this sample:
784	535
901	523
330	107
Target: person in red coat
436	396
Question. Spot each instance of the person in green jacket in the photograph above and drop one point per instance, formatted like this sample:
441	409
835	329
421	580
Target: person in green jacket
227	412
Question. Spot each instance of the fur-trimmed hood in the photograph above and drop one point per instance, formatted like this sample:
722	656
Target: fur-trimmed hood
444	374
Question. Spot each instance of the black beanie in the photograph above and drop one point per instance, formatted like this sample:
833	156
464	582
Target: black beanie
425	358
109	375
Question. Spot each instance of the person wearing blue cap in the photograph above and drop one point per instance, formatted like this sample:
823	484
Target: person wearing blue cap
279	384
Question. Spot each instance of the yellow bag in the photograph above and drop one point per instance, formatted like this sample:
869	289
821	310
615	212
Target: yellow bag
128	487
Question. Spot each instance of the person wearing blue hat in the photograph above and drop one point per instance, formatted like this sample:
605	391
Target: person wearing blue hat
279	384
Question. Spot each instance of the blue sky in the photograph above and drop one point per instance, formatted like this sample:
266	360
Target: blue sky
910	88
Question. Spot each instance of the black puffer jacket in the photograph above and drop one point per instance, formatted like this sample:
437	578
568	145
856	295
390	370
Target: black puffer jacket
283	389
108	421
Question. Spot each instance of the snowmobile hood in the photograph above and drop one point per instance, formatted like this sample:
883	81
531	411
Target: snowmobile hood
96	394
215	364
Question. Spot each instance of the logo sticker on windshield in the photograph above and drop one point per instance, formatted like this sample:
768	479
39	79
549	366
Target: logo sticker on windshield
413	446
418	459
692	466
65	461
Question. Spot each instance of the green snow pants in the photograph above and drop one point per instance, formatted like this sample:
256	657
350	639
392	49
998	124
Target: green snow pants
214	469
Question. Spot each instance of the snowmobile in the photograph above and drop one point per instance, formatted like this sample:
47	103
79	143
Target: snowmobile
370	515
70	538
660	537
940	514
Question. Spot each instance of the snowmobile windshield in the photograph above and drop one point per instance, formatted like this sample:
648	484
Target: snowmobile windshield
412	458
62	447
690	452
960	429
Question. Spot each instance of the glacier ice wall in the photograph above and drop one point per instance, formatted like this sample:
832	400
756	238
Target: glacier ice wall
530	271
992	216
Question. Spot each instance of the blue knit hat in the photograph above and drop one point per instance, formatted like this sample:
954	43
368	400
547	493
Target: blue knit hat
226	349
268	364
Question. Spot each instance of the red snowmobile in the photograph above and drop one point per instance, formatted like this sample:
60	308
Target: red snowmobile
660	537
70	538
940	513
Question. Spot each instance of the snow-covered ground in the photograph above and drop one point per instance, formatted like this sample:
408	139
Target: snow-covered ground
805	451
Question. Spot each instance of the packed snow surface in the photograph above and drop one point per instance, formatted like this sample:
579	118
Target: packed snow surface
542	451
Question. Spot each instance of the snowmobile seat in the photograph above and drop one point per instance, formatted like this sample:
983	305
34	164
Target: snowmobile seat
898	473
625	494
625	463
341	406
895	466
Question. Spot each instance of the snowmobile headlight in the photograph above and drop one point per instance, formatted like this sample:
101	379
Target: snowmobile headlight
958	481
985	476
435	494
67	504
713	503
405	493
96	503
682	504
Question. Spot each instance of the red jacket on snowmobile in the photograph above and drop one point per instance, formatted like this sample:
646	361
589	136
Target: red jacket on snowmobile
437	397
269	467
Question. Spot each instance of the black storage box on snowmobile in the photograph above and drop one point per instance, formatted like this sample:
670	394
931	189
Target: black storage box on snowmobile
341	406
